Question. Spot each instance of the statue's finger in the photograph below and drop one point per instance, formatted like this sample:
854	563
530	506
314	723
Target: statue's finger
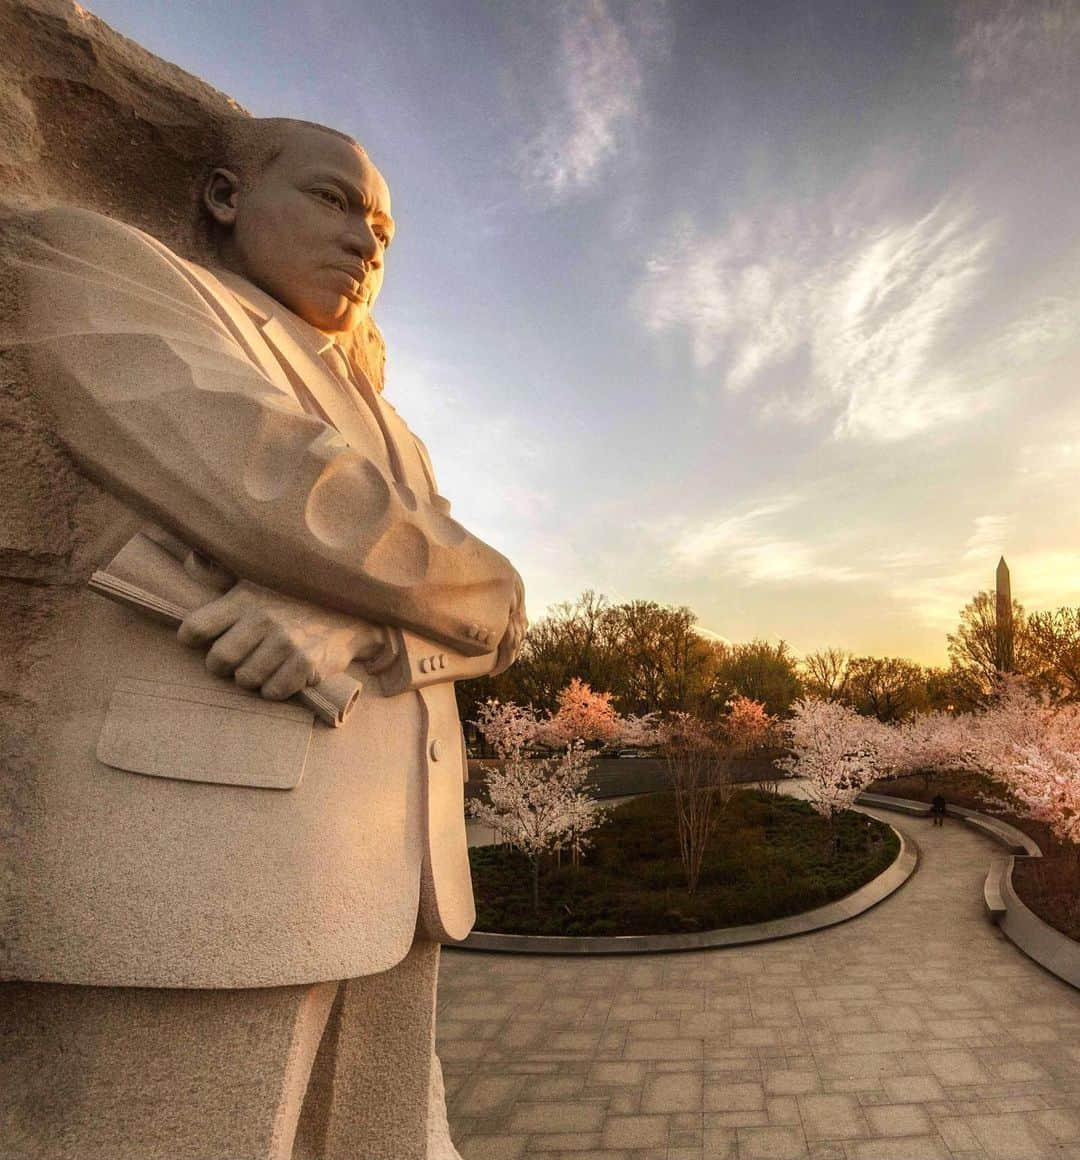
267	658
207	623
233	647
292	676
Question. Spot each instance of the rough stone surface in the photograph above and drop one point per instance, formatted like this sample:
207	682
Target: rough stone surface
917	1030
90	118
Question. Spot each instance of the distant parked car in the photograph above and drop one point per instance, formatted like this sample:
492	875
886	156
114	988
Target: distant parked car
630	753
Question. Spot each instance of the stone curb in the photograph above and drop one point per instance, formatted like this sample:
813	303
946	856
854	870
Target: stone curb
897	805
843	909
1038	940
1015	840
1052	950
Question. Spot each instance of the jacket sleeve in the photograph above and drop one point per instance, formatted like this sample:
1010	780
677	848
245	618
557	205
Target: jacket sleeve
159	403
417	663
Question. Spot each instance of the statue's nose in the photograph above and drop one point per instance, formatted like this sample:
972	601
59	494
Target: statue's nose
364	244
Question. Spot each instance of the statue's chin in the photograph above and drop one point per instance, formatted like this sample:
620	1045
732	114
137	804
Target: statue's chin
337	316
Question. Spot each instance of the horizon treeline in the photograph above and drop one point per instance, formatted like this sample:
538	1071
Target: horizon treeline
651	658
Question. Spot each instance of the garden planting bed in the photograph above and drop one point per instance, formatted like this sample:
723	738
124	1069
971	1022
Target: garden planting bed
769	858
1050	885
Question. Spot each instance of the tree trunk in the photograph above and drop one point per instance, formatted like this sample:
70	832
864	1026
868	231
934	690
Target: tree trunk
536	884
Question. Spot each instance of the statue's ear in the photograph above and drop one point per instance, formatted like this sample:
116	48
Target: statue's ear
220	196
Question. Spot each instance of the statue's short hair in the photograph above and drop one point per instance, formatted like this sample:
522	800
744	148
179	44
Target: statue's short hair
249	145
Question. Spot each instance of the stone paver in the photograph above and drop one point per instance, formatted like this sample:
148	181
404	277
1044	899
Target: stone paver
916	1031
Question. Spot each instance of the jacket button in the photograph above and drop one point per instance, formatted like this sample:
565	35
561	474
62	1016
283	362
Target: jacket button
424	664
435	749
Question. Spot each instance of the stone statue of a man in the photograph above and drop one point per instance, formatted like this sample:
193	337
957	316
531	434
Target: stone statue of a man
225	915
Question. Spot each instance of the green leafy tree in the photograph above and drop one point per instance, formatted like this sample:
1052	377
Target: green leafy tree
1054	651
650	657
825	673
761	671
975	647
951	690
888	688
666	665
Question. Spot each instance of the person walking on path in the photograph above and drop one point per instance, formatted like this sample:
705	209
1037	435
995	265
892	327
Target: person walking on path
937	809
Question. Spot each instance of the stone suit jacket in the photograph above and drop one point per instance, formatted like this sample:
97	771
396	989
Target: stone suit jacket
194	399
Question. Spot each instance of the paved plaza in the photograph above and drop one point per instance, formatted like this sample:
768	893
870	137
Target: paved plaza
915	1032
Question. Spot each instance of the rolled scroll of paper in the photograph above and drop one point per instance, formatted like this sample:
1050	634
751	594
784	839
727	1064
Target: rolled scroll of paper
147	575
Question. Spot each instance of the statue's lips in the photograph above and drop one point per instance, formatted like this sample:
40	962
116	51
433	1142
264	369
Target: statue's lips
356	276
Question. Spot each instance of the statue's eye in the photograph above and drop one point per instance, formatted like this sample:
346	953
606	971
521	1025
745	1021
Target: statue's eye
383	236
332	198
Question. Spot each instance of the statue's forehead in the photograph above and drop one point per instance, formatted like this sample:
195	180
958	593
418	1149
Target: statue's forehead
304	147
313	152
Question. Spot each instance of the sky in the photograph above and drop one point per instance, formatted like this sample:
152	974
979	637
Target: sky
766	309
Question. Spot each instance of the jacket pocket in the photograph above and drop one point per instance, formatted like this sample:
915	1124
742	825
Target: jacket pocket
225	736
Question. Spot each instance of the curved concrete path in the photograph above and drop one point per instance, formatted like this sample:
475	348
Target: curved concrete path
915	1031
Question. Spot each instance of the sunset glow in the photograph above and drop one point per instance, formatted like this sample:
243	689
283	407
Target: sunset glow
768	309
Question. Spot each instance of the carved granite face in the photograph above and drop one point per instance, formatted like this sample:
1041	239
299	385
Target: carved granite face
311	230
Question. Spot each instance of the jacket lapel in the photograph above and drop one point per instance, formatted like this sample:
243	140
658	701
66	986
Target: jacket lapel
241	319
413	469
309	373
350	406
290	351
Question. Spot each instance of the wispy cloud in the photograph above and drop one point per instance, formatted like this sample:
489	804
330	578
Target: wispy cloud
1044	331
751	546
989	537
590	113
935	595
935	601
1040	580
703	543
1027	51
825	314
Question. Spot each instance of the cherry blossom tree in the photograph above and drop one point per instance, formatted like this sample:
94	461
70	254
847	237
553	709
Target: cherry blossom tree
1045	779
926	743
746	726
640	732
1032	749
537	805
1027	745
582	715
507	728
835	751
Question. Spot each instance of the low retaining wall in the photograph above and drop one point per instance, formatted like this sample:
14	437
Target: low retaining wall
1038	940
843	909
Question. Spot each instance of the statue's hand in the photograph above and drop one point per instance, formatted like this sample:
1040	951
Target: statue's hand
276	644
514	636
